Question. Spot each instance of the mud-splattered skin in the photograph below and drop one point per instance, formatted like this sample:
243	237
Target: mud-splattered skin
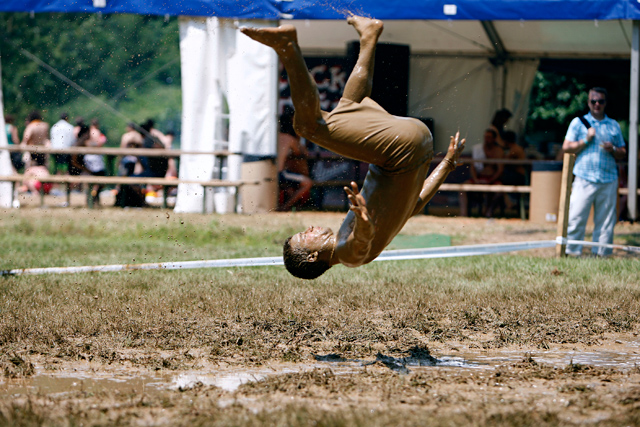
399	150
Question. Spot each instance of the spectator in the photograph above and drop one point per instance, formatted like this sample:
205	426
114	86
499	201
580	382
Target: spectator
92	164
513	174
153	166
37	169
597	141
13	139
293	169
130	195
79	123
62	136
149	126
484	173
498	123
97	138
36	133
131	135
172	169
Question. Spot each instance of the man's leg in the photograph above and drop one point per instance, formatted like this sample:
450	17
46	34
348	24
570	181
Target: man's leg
604	217
304	92
579	207
360	81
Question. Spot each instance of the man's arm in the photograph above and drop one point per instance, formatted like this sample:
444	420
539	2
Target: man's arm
26	136
497	153
358	242
440	173
569	146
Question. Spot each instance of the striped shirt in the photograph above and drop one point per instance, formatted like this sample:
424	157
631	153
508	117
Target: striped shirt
593	163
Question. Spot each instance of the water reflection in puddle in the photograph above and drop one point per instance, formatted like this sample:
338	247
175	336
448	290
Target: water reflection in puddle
85	379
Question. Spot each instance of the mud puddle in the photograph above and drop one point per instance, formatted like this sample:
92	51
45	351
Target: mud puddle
90	379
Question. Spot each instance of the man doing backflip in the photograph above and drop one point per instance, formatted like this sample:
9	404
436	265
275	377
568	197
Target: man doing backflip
399	150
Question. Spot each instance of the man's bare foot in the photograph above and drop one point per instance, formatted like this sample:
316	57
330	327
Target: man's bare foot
366	27
277	38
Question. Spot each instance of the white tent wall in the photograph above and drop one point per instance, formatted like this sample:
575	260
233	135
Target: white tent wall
201	103
517	91
229	102
460	94
5	159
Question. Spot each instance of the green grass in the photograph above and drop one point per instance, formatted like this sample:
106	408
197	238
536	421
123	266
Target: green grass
180	319
517	298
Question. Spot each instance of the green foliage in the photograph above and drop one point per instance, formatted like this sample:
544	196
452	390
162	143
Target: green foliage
555	100
129	62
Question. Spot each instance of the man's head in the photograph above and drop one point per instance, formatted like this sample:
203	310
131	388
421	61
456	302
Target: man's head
597	102
34	115
308	254
500	118
509	137
490	137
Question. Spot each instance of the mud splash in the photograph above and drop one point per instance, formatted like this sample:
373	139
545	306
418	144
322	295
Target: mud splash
92	379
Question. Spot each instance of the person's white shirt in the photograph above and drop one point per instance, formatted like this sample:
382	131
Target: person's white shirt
62	135
477	153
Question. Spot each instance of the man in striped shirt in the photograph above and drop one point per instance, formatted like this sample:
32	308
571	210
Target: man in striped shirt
597	141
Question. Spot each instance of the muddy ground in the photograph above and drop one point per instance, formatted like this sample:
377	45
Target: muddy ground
564	352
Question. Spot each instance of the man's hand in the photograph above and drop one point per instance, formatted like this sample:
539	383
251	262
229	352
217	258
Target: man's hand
455	149
618	153
357	203
607	146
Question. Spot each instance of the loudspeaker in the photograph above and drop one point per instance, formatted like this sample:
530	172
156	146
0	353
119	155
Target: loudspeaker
390	75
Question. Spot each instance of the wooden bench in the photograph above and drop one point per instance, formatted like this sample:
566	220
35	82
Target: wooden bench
88	180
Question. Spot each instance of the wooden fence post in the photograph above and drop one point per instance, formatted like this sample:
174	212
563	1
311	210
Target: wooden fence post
565	195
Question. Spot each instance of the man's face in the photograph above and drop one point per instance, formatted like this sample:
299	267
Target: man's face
489	138
597	103
314	239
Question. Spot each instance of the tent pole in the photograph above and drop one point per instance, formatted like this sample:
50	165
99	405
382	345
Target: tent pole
632	198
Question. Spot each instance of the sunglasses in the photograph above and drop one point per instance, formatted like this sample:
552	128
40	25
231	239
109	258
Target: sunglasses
598	101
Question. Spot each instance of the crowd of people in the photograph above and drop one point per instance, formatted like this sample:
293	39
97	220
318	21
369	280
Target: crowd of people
498	143
63	135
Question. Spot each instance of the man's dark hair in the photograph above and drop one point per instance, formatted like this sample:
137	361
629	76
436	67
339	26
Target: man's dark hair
34	115
600	90
295	260
509	136
64	116
286	121
500	118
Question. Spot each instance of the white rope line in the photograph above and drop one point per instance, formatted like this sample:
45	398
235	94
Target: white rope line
391	255
564	241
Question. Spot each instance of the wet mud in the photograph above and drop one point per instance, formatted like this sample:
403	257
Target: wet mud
564	385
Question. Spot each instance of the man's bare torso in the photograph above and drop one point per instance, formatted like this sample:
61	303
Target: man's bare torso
36	133
391	200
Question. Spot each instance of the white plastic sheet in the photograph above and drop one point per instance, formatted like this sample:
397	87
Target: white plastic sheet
5	158
229	100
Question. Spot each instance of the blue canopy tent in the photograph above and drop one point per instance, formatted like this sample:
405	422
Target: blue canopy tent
483	10
500	30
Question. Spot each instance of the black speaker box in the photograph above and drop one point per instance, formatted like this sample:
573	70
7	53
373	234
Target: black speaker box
390	75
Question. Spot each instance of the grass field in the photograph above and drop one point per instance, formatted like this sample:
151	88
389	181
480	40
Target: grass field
136	324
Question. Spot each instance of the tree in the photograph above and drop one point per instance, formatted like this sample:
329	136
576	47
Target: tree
122	60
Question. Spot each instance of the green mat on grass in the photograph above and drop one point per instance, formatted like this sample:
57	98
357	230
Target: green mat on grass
403	241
